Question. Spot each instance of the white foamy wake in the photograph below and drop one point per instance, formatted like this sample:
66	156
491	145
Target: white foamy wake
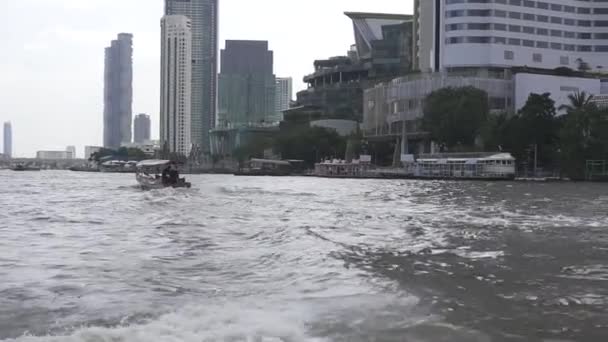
259	320
228	322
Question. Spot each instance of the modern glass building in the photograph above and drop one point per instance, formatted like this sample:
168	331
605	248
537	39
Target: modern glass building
118	92
141	128
247	85
8	140
204	18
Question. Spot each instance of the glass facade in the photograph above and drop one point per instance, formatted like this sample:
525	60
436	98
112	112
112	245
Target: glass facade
247	85
118	92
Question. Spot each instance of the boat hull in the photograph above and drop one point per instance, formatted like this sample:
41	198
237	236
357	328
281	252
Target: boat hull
149	183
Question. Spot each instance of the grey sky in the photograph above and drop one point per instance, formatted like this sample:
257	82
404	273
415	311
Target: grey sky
51	64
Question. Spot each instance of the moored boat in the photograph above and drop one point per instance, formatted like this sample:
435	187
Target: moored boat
21	167
149	175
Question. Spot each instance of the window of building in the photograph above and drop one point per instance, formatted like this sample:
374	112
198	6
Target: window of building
537	57
514	41
542	44
528	43
514	28
542	31
528	29
509	55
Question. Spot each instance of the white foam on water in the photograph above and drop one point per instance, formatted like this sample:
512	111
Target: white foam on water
218	322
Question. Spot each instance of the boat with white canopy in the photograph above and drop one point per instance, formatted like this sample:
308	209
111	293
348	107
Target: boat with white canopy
158	174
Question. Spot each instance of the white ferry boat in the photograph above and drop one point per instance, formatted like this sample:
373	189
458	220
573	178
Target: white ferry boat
463	166
470	166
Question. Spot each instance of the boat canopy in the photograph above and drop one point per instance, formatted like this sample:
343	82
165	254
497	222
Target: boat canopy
152	163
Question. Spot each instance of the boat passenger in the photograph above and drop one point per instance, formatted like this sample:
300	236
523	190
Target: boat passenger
165	175
173	174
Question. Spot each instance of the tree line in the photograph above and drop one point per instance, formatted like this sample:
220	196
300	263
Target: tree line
459	119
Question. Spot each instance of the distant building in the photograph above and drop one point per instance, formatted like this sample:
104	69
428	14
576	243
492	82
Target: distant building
149	147
53	155
176	84
247	85
601	101
118	91
89	150
284	93
203	15
8	140
72	151
141	128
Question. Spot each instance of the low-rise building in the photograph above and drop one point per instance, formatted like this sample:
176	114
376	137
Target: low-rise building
54	155
149	147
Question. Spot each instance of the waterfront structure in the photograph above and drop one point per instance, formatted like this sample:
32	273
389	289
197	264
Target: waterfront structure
118	91
247	85
149	147
224	141
8	140
601	101
89	150
203	15
176	84
49	155
71	150
383	51
284	93
141	128
538	34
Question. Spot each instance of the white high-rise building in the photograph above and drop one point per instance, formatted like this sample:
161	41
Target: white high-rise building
176	83
511	33
204	18
284	93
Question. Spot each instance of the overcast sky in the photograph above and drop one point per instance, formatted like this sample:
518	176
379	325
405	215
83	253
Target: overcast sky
51	60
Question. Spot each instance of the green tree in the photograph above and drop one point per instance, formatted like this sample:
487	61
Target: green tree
536	128
455	116
584	135
310	144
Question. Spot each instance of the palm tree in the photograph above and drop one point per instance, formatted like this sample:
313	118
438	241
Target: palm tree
578	101
581	108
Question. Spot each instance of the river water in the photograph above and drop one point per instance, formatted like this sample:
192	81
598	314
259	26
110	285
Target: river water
90	257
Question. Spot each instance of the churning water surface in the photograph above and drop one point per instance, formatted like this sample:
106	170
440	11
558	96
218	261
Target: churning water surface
90	257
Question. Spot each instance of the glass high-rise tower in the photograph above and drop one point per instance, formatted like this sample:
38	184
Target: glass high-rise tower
203	15
118	92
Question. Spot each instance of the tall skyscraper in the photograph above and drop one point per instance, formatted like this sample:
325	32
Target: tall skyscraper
141	128
204	18
247	84
118	92
284	93
176	84
8	140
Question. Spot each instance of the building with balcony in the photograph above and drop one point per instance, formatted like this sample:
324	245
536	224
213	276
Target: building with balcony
382	51
510	33
176	84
